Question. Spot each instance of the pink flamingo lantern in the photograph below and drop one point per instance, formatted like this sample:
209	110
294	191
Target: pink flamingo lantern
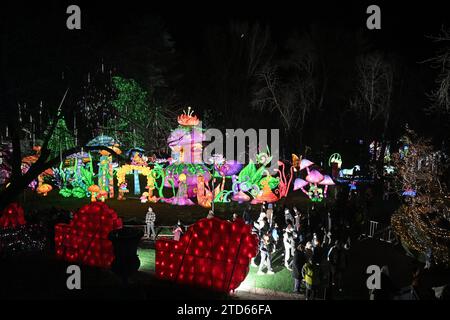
284	185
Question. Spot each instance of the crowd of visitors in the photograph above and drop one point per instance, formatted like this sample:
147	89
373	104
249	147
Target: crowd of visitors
313	246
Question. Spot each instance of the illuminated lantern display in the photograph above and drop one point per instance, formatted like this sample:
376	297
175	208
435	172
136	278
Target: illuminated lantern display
94	190
185	143
85	239
327	181
300	184
43	189
213	253
345	173
314	179
335	162
134	168
265	195
12	216
285	184
204	195
26	164
305	164
75	175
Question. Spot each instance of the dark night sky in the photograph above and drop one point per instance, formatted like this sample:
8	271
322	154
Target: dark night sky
404	24
40	47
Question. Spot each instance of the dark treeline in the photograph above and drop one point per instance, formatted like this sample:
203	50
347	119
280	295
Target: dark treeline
303	71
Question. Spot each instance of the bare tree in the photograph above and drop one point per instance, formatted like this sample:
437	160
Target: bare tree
440	96
374	90
291	87
233	56
373	98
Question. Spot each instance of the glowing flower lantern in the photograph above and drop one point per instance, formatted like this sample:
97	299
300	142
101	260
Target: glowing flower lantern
229	168
188	119
213	253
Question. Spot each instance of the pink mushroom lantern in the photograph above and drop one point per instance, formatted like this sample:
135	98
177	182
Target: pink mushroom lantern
314	177
305	164
300	184
240	197
327	181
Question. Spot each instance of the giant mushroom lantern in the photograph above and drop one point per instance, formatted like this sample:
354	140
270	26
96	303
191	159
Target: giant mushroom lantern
305	164
300	184
44	189
314	177
94	189
327	181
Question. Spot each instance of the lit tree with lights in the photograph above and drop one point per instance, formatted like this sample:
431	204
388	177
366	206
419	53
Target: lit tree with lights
139	121
130	103
423	221
61	139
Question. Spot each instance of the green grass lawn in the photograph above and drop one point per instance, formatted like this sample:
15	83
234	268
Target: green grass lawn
147	258
280	281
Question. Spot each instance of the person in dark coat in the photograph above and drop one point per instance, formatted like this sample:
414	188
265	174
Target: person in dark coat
297	266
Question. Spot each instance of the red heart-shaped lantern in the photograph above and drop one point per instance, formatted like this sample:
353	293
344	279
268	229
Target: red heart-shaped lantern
85	239
213	253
